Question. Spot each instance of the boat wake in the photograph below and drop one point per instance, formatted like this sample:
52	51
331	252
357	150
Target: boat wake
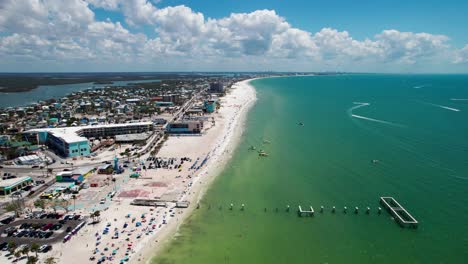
445	107
421	86
359	105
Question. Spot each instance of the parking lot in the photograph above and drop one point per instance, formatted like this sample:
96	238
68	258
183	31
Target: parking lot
49	229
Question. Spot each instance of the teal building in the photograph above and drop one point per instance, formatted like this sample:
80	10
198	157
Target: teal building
210	106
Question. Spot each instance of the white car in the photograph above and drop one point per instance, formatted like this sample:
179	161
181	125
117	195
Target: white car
103	201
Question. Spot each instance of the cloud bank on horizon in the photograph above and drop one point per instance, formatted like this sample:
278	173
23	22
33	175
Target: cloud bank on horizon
56	35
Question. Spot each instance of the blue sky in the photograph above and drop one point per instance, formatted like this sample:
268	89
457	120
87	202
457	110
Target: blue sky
237	35
361	18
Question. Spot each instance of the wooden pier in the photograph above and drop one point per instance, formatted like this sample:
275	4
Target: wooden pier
301	212
403	217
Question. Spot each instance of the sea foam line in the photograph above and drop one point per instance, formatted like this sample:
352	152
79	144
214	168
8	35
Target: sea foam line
359	105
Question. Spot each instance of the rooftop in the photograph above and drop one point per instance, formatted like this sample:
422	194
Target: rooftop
7	184
70	134
132	137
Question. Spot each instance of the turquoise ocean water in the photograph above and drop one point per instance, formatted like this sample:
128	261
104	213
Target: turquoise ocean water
415	125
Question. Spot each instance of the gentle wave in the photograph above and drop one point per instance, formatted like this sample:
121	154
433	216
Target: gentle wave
359	105
458	99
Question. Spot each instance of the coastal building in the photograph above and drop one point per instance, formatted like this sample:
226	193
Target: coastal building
28	160
159	121
84	171
132	101
164	104
185	127
106	169
210	106
10	186
216	87
56	189
69	176
73	141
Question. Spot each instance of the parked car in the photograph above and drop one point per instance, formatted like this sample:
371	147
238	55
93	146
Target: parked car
45	248
56	227
3	245
47	227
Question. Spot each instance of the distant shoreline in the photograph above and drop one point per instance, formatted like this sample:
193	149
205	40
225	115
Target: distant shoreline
20	83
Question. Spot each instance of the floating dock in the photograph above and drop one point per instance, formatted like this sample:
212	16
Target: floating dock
403	217
301	212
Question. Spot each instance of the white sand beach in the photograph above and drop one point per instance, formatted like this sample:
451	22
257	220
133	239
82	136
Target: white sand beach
149	229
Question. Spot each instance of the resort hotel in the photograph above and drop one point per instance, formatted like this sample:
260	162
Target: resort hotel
73	141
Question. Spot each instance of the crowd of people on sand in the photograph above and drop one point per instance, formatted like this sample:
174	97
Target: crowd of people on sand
116	244
118	240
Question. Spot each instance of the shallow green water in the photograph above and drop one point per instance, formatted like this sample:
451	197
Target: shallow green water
423	154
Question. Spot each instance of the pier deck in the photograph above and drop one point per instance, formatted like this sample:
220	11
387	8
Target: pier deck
402	216
301	212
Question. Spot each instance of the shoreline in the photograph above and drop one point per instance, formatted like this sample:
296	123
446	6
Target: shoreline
208	175
217	144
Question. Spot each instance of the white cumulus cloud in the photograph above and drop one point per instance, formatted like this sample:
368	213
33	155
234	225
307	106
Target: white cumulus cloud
67	31
461	55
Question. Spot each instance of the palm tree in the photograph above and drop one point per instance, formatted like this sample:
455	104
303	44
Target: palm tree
32	260
40	203
34	248
11	246
25	251
50	260
17	254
